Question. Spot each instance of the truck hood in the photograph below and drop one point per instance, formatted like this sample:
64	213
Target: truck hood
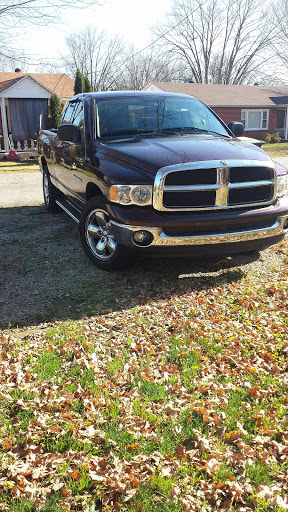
150	154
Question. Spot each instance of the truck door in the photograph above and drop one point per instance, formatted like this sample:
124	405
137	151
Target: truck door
59	151
72	157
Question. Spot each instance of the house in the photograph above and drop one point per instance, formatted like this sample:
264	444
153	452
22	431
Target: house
262	109
24	99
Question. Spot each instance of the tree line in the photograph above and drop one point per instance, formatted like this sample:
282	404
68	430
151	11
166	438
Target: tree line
203	41
212	41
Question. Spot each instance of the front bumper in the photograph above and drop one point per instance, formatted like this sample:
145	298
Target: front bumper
266	235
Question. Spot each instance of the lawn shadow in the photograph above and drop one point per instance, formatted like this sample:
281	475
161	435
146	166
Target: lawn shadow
46	276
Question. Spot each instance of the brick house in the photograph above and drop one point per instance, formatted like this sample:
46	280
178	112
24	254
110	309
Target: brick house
24	104
262	109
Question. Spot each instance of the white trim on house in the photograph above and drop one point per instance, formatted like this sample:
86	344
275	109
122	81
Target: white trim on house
27	87
152	87
264	119
4	126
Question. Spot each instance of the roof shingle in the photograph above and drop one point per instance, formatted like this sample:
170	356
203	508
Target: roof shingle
229	95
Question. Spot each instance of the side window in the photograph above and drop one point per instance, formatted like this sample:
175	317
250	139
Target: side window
67	116
78	117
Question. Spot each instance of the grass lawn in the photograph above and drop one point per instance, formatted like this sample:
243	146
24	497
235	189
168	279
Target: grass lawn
25	166
276	150
178	404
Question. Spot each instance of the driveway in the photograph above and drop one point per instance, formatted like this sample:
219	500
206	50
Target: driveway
20	189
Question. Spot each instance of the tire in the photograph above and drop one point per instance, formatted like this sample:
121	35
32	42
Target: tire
97	237
49	193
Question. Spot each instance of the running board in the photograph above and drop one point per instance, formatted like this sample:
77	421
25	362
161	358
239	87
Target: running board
68	208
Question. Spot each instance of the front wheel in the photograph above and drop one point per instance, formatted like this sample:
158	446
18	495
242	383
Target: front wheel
98	239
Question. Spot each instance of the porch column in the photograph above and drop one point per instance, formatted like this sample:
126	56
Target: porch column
4	126
286	124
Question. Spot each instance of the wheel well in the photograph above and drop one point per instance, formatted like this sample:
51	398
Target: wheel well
92	190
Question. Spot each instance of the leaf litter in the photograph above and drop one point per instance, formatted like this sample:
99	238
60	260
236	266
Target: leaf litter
177	404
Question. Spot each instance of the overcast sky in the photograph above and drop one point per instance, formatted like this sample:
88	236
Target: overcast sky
127	18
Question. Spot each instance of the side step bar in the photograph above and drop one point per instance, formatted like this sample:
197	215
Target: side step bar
68	208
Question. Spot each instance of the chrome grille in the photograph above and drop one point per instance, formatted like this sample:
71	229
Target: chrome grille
214	184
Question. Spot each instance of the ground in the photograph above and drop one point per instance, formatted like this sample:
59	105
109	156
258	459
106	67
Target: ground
159	388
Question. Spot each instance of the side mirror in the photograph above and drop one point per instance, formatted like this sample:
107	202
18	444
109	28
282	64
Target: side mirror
69	133
236	128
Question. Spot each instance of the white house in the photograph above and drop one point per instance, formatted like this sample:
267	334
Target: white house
24	99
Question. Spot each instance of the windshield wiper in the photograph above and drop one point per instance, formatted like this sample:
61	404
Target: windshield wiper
199	130
139	134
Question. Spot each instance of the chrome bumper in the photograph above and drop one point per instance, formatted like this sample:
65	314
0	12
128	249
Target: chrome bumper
124	235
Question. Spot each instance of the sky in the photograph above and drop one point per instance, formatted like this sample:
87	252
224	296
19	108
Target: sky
130	19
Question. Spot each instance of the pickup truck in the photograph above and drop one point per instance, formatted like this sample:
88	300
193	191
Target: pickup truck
145	172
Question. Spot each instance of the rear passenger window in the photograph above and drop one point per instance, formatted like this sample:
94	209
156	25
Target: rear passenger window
67	116
78	117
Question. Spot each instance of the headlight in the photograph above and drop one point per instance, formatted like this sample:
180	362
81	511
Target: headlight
282	185
131	194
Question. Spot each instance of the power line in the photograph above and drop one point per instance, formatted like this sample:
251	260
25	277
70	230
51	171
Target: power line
25	59
160	37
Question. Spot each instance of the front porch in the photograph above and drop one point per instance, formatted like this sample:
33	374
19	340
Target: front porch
16	127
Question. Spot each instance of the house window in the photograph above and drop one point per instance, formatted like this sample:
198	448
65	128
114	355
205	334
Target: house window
255	119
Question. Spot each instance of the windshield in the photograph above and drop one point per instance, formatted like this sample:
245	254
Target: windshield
132	115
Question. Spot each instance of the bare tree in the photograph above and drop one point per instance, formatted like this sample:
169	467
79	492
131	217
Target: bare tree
96	55
218	41
18	14
140	68
280	46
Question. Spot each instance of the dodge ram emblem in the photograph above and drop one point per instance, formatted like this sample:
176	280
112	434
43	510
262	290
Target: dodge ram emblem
224	162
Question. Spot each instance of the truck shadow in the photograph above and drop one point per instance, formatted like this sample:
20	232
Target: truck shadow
45	275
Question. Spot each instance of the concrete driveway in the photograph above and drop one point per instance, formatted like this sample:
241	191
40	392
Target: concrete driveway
20	189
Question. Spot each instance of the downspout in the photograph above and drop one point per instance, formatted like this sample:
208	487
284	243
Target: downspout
4	126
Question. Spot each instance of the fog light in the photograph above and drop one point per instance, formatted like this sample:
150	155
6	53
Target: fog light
142	238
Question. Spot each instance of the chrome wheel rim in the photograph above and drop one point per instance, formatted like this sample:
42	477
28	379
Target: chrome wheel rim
46	188
99	235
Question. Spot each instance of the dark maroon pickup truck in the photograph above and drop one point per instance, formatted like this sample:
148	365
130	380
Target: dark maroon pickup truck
141	171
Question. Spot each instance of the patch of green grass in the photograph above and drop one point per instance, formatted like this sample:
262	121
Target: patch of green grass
113	410
153	391
224	472
115	366
186	358
154	496
274	150
53	503
77	406
24	166
51	443
139	407
261	505
18	505
66	331
47	365
24	394
85	377
190	420
82	485
260	473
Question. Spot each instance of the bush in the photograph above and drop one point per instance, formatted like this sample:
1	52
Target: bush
55	112
272	138
267	138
